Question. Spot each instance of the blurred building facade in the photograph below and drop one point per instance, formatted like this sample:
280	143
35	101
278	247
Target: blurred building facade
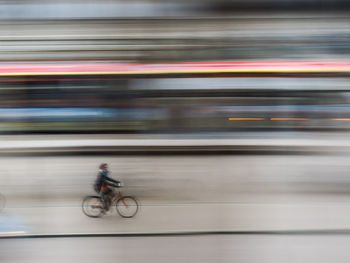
169	31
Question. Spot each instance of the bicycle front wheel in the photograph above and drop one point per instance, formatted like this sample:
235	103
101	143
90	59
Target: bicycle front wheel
2	202
127	206
93	206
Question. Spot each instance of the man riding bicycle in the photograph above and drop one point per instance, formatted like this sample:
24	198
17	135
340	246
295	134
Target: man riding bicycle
97	205
102	183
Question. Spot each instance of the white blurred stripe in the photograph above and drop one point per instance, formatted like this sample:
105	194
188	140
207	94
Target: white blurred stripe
177	143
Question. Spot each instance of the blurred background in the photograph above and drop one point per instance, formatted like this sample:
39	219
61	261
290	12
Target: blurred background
220	116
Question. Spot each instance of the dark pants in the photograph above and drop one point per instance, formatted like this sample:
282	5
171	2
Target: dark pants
107	195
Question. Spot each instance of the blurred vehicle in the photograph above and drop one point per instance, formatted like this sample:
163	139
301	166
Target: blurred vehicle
182	99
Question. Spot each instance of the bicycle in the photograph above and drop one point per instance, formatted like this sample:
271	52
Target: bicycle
96	206
2	202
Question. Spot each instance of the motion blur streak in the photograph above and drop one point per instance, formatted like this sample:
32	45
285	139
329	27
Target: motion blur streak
246	119
221	115
289	119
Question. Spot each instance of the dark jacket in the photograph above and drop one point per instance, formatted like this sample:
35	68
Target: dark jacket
104	179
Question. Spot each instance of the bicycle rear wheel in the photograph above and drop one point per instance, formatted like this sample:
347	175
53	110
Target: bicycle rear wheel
93	206
2	202
127	206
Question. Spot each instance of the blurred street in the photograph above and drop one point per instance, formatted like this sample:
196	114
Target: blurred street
232	192
228	121
218	248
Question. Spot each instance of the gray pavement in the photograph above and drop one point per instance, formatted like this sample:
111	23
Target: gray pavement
219	248
57	220
180	193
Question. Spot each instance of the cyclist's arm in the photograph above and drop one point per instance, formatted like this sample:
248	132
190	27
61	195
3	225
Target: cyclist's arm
112	182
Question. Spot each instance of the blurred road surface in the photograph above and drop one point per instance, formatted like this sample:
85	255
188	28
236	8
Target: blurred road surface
217	248
182	193
250	192
168	218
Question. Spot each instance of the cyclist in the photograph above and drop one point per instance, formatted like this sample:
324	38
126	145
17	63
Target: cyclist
103	183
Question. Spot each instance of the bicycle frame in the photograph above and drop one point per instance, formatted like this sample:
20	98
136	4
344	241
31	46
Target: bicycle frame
118	195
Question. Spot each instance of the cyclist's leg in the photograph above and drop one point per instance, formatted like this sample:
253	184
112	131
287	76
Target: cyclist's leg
107	196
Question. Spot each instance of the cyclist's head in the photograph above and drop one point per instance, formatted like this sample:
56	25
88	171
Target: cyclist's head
103	166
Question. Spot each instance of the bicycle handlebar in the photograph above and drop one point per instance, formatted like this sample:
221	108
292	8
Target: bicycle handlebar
119	185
